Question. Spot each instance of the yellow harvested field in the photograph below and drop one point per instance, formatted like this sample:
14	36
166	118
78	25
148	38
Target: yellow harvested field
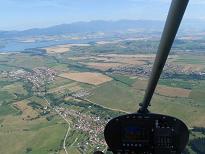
62	48
193	67
103	66
56	49
107	42
126	59
117	59
129	56
27	111
172	92
87	77
137	59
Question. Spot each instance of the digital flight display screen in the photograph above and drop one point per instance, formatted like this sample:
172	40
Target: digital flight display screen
135	134
151	133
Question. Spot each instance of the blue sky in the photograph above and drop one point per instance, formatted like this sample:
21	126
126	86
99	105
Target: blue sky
25	14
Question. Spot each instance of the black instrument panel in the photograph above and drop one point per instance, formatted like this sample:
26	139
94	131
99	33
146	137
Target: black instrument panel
147	134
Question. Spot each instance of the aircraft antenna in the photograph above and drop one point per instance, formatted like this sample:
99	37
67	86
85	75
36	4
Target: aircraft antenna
172	24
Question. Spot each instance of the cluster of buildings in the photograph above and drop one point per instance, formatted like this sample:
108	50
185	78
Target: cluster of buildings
90	124
132	70
145	70
79	94
38	77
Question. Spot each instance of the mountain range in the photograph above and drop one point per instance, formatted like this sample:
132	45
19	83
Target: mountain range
103	26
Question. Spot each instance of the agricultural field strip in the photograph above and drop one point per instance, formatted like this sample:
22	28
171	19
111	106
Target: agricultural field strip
72	145
62	48
87	77
72	86
102	66
166	91
26	109
115	60
89	101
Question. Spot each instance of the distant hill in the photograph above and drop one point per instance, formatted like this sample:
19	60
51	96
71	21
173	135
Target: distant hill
103	26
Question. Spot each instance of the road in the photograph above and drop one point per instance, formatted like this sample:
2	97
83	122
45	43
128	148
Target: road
64	141
89	101
117	110
68	122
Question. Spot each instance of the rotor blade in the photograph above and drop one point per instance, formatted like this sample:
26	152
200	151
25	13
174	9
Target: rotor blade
173	21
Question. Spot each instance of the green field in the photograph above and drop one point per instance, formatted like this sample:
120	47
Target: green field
16	88
198	93
7	109
179	83
36	137
191	59
123	79
117	95
27	61
184	109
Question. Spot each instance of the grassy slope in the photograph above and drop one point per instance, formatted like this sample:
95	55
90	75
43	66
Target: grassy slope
41	136
15	88
116	95
178	83
59	81
26	61
191	59
180	108
119	96
198	93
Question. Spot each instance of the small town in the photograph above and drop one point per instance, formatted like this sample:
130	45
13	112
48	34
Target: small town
145	70
90	124
38	77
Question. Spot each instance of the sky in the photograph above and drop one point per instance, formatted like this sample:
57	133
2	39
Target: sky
26	14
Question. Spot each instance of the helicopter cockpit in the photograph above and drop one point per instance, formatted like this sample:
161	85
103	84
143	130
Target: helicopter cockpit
146	134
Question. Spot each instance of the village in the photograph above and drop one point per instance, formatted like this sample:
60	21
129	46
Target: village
38	77
90	124
145	70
